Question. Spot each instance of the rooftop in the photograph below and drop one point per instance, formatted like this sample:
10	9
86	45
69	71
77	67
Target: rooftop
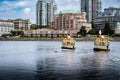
5	21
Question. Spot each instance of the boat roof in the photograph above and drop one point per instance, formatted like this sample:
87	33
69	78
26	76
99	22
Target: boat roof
99	39
68	40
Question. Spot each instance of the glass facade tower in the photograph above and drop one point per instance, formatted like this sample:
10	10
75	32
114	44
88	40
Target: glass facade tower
93	8
45	10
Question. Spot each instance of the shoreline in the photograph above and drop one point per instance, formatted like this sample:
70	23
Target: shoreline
52	39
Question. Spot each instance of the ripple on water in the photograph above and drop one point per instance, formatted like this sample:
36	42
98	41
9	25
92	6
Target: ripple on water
45	60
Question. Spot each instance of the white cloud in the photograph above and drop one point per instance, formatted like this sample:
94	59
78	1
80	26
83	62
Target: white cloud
27	10
69	0
57	1
30	6
73	0
69	5
110	3
21	4
7	5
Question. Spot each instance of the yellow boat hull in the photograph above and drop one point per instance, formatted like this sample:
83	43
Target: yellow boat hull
101	48
67	47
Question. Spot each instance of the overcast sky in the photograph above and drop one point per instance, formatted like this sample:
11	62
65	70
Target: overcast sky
25	9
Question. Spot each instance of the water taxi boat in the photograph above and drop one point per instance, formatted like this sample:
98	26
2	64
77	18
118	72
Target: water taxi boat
101	44
68	43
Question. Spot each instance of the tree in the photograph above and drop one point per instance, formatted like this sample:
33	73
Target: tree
107	30
92	31
82	31
16	33
47	26
34	27
6	35
92	23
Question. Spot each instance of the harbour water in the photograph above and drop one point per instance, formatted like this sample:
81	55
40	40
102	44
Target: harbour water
45	60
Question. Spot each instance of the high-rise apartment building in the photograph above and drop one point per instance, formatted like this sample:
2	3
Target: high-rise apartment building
45	10
93	8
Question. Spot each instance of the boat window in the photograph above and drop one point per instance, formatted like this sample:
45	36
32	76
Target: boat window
72	44
102	44
68	43
64	43
96	43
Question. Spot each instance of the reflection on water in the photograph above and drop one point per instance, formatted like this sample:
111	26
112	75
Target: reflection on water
71	67
45	69
40	61
100	57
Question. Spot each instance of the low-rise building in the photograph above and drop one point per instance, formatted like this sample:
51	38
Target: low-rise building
117	29
100	22
111	11
49	33
70	21
6	27
110	15
20	24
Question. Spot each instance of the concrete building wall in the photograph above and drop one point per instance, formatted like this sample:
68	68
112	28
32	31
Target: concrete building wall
111	15
20	24
111	11
117	29
6	27
100	22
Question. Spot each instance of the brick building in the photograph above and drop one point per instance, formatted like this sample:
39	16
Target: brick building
70	21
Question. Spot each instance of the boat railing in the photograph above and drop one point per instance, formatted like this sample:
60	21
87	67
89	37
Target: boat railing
101	43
